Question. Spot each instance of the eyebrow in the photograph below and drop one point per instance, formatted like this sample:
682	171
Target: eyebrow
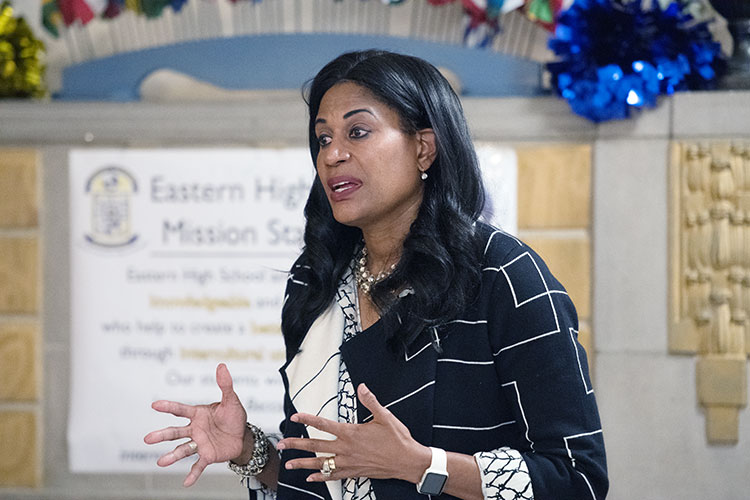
347	114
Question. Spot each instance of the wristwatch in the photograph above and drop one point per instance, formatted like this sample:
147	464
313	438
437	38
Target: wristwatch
434	478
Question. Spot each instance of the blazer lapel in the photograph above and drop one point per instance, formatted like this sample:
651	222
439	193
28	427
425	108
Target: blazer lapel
403	382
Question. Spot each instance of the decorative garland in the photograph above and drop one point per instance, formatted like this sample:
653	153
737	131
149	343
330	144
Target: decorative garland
613	55
21	54
68	12
616	56
482	15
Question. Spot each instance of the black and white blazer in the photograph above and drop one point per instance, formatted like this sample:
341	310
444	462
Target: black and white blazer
511	374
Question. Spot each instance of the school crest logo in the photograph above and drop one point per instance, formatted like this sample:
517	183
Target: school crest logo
110	192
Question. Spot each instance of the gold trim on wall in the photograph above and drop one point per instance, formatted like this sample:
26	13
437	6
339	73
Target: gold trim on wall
710	275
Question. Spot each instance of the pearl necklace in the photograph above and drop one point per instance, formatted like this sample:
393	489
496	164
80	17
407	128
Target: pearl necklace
365	279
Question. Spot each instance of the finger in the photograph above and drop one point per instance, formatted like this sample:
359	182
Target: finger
180	452
173	407
224	381
318	477
195	472
303	463
306	444
320	423
166	434
368	399
318	463
315	463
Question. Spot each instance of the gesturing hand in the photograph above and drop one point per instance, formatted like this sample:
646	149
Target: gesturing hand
216	430
381	448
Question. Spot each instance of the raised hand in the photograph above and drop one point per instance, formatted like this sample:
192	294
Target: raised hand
215	431
381	448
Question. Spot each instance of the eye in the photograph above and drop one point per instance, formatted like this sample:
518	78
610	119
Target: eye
323	140
358	133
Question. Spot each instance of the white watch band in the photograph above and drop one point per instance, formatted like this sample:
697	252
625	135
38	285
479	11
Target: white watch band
439	460
434	478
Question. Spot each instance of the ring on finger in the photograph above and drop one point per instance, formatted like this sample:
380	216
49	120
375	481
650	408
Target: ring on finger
193	446
326	469
331	463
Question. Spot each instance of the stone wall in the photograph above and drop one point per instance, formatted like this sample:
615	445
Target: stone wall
593	200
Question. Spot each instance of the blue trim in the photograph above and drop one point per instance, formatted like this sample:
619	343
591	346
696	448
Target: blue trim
286	61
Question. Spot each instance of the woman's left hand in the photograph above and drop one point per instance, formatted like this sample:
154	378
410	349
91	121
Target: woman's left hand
381	448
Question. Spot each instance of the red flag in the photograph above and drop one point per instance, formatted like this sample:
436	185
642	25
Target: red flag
75	9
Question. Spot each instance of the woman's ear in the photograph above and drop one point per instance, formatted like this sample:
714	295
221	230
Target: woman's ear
426	148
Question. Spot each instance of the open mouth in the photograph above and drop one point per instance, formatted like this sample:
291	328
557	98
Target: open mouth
343	186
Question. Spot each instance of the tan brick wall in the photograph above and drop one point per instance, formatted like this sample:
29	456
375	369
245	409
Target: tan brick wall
18	362
554	218
20	402
18	436
554	186
18	192
19	274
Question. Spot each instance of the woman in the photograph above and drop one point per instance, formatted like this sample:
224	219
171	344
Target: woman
423	347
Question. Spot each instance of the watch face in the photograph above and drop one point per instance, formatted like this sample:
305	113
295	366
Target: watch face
433	484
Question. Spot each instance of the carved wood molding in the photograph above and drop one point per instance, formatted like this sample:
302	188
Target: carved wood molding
710	274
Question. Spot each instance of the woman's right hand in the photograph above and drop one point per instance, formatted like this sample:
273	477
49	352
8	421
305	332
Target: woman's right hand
217	429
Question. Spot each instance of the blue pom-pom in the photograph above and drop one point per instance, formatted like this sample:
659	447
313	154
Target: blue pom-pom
614	55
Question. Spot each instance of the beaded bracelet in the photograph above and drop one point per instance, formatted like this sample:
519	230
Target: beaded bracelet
260	455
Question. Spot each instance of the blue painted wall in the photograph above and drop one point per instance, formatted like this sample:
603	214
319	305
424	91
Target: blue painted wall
287	61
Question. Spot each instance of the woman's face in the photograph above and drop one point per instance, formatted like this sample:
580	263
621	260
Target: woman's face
369	168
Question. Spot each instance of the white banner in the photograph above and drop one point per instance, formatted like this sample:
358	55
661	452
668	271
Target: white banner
500	176
178	263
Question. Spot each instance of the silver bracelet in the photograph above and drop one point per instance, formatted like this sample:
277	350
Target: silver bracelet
260	455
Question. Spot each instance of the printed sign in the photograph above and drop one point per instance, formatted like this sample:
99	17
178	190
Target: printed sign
178	263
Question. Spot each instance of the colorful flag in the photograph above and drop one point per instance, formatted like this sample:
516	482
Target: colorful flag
113	9
51	17
153	8
73	10
134	5
544	12
177	5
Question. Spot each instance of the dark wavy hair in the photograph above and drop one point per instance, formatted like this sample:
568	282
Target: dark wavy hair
441	254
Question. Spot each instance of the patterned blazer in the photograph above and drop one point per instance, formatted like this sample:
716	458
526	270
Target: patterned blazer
511	374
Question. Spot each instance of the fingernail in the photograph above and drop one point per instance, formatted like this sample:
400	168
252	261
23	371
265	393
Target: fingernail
309	479
294	418
280	446
365	389
288	465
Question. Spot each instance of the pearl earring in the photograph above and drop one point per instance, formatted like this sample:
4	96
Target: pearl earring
424	176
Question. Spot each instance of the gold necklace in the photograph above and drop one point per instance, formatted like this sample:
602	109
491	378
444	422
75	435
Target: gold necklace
365	279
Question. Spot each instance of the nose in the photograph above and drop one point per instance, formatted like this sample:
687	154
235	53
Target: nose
335	154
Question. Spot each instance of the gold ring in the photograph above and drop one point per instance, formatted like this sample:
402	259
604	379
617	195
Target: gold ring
325	469
331	463
193	446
